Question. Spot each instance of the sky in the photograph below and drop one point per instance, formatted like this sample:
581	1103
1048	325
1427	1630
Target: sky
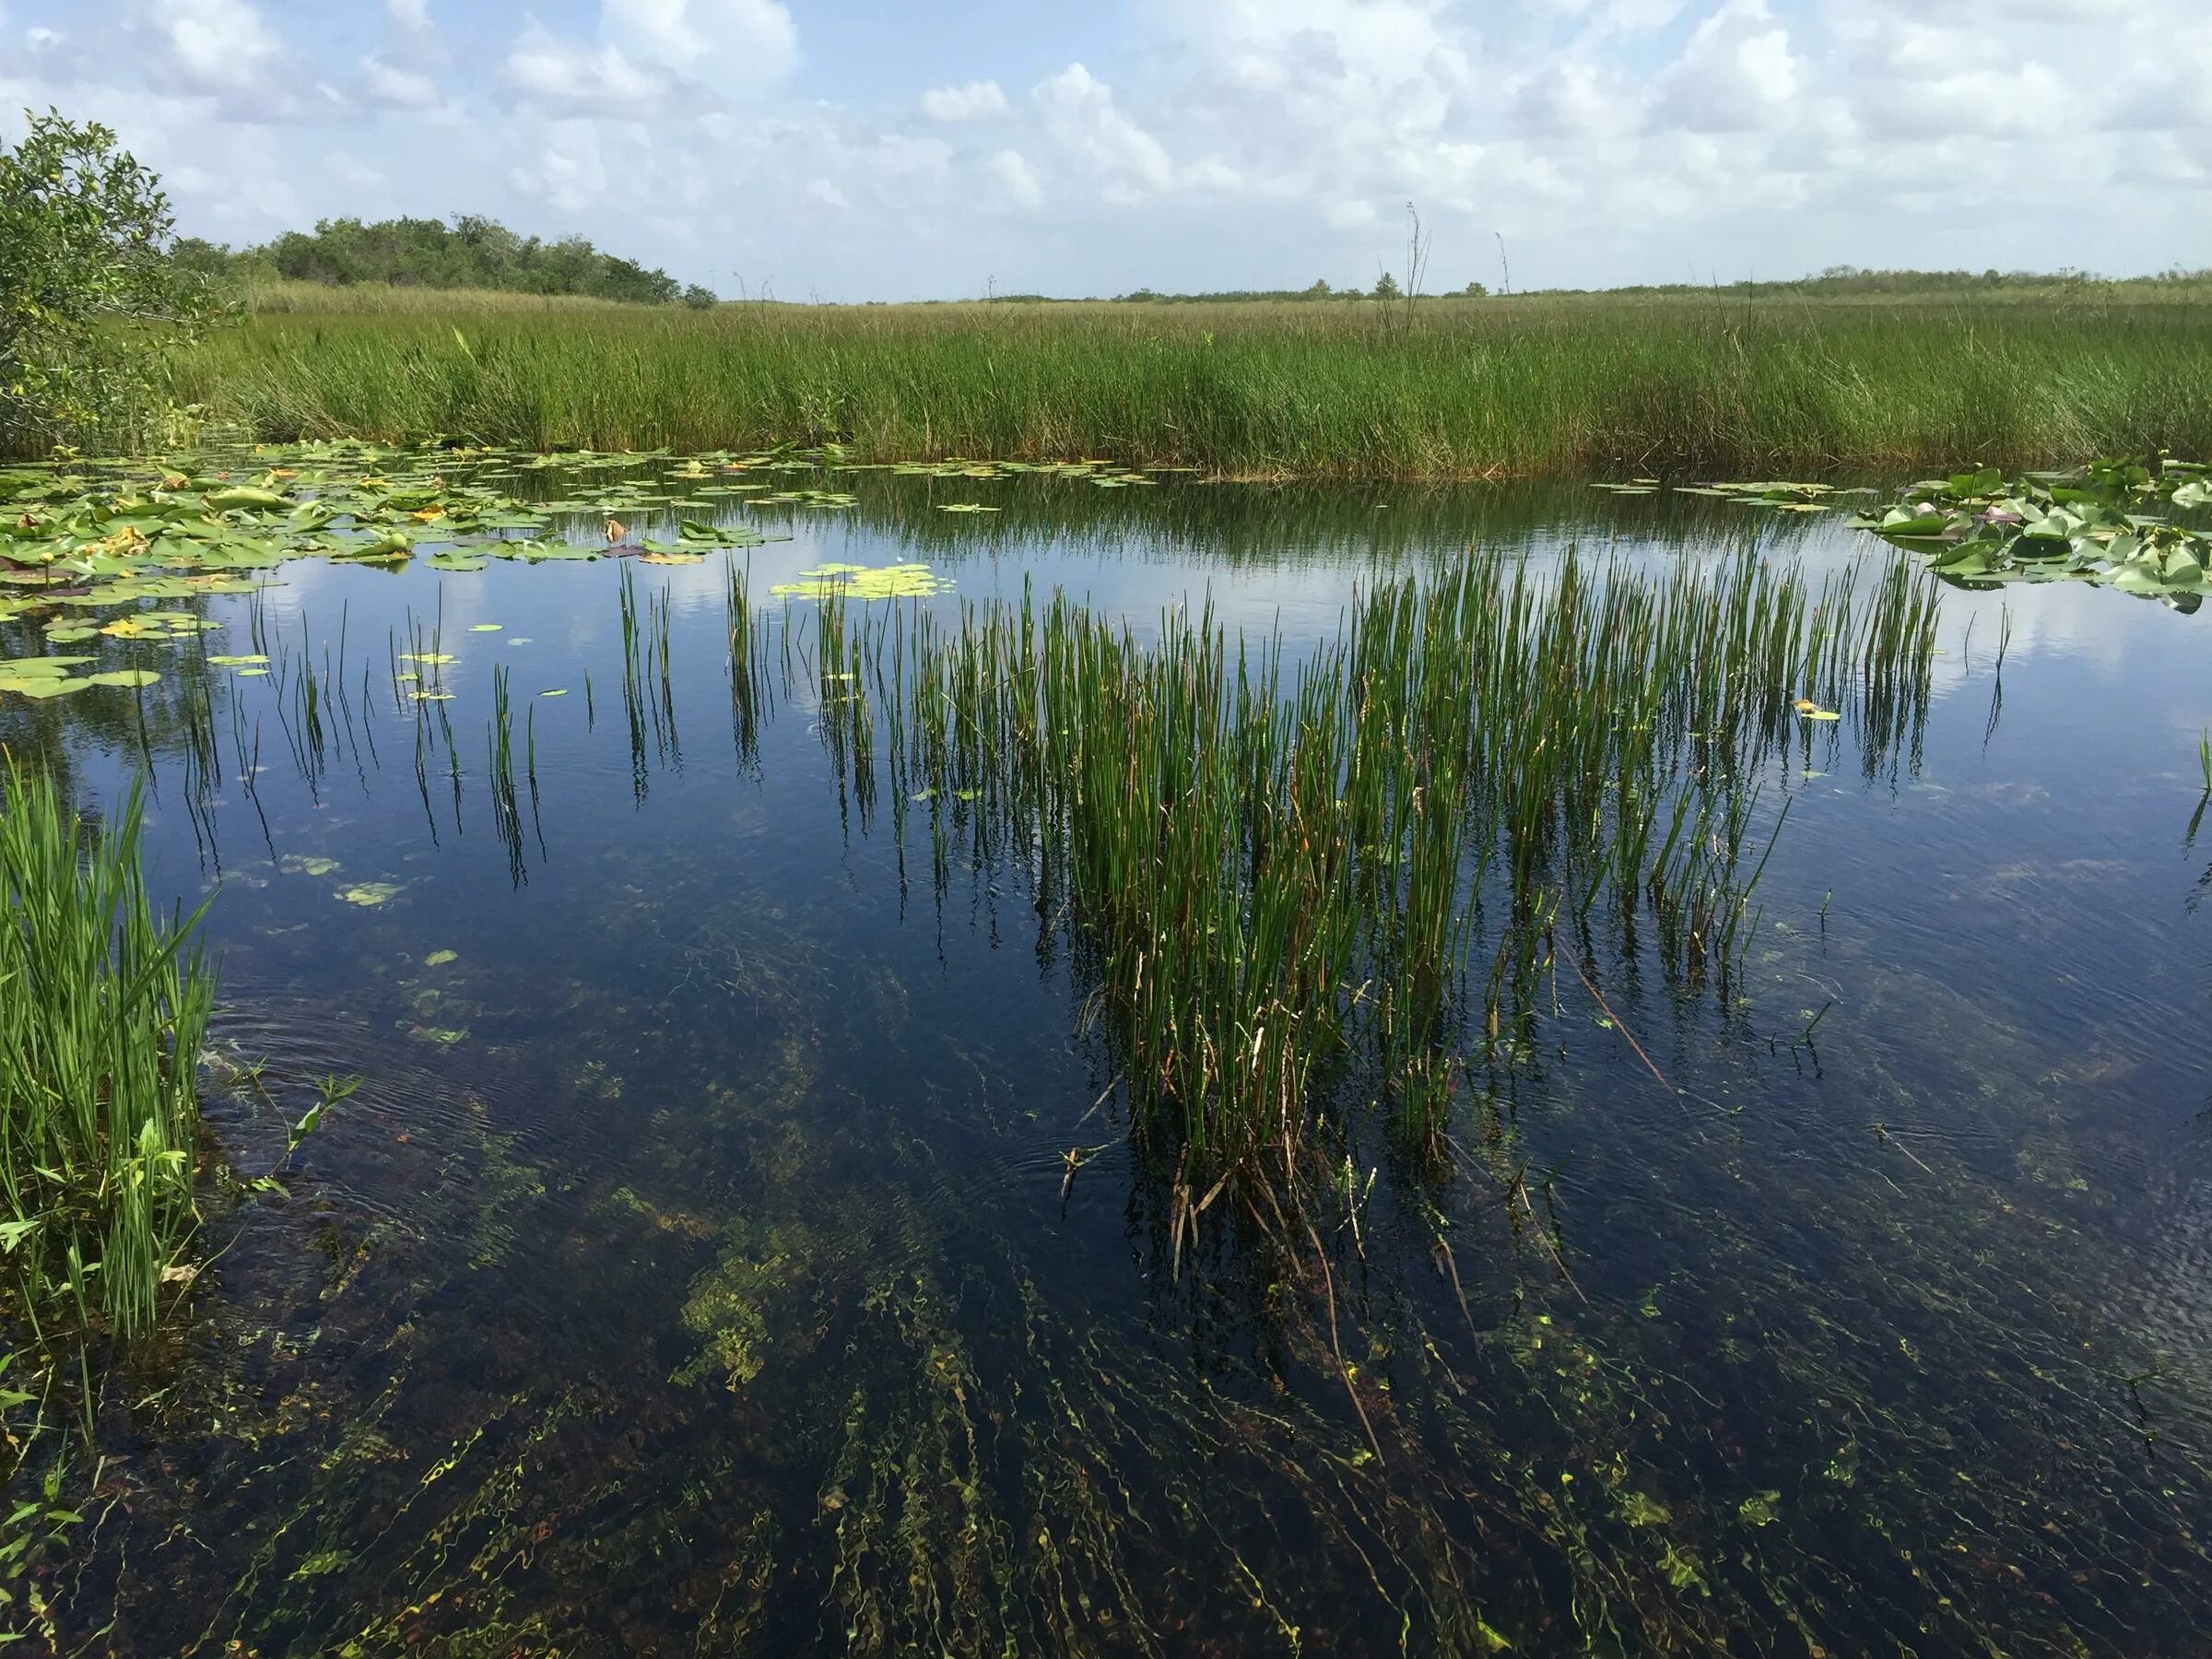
901	149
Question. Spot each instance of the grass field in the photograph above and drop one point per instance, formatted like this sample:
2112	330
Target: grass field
1468	388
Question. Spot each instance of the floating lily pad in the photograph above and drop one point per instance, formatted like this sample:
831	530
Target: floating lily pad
369	894
2103	523
860	582
41	689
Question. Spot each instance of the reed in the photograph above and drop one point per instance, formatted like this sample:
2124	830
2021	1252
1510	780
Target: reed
103	1012
1528	386
506	811
1277	873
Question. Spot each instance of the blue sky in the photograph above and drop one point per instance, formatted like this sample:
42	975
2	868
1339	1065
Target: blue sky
853	149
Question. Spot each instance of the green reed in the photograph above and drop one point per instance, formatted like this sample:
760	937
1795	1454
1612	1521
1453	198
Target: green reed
507	817
1278	870
102	1018
1465	388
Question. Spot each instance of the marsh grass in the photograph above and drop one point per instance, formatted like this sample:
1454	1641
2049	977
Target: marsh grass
1533	386
1296	881
103	1010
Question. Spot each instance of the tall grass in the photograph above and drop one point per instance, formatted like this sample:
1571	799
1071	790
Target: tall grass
1288	877
1451	390
103	1008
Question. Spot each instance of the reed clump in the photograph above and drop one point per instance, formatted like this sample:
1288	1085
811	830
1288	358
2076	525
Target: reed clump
1454	389
103	1010
1295	877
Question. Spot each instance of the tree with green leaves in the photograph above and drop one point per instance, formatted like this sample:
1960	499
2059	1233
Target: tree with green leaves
90	297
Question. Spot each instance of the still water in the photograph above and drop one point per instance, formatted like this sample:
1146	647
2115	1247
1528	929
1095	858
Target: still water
698	1268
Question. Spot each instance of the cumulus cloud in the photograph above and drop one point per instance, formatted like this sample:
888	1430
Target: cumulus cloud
1012	169
386	83
1079	111
1236	143
570	170
223	45
578	76
645	45
975	101
344	164
1736	75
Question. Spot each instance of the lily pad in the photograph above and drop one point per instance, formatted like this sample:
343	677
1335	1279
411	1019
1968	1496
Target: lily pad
369	894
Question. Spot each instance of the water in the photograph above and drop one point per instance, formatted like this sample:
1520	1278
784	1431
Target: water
699	1266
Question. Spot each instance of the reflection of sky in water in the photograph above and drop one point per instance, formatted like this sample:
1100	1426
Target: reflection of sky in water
2014	989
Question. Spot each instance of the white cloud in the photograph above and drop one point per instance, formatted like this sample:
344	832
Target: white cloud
571	171
717	45
1241	142
578	76
1736	75
398	89
42	40
220	45
1079	111
975	101
1012	169
347	166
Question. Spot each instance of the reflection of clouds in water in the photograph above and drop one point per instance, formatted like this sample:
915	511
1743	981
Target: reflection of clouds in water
2106	642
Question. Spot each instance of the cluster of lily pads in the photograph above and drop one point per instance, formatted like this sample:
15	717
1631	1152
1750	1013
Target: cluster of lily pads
77	542
90	552
863	581
1783	496
2108	522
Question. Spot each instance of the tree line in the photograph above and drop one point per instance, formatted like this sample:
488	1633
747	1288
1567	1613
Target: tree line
471	252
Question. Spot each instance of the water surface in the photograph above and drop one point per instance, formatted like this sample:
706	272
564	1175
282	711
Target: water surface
696	1269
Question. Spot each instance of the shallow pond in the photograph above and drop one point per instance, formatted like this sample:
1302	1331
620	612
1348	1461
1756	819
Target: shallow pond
702	1264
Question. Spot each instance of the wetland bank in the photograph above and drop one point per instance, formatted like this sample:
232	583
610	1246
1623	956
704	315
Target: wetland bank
1071	1059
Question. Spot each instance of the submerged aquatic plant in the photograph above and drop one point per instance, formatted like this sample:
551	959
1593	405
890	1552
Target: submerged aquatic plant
102	1025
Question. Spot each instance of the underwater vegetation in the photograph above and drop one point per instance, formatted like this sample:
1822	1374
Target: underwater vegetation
695	1282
